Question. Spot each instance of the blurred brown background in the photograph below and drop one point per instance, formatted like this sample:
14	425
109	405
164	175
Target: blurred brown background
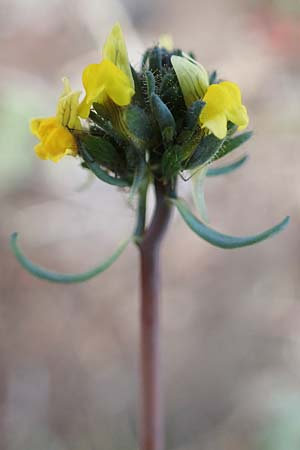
231	319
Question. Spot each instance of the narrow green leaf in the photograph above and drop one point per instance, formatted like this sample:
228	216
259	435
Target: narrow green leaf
213	77
100	173
138	96
138	123
171	161
231	144
192	115
101	111
105	126
138	179
223	170
171	94
222	240
231	129
168	81
103	152
56	277
205	151
164	118
198	179
155	63
150	81
191	121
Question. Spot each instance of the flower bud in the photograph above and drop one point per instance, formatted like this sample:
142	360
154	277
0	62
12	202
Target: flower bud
192	77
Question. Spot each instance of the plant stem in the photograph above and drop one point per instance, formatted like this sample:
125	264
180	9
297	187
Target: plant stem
152	433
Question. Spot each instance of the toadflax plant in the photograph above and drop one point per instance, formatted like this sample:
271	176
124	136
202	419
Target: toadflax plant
137	129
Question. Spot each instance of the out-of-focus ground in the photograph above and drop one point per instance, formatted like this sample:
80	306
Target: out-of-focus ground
231	319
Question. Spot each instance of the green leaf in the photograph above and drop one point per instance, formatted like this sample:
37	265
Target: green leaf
222	240
164	118
232	144
101	111
172	161
103	152
150	81
138	124
138	179
213	77
155	64
171	94
191	121
168	81
138	96
223	170
198	179
105	126
231	129
98	172
205	151
56	277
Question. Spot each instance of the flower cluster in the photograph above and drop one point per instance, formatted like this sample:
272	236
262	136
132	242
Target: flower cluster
136	128
167	118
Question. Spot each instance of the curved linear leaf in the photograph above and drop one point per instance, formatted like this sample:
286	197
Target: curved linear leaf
102	151
138	125
191	121
231	144
100	173
223	170
164	119
56	277
205	151
198	179
219	239
138	179
150	83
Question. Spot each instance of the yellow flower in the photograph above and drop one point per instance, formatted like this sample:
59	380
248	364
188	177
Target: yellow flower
223	100
111	78
223	104
192	78
56	141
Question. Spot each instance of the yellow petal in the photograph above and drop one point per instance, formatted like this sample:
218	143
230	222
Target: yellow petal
34	126
93	80
42	126
239	116
236	112
67	107
115	51
67	86
217	125
84	108
192	78
104	80
117	84
233	91
57	144
216	99
223	103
